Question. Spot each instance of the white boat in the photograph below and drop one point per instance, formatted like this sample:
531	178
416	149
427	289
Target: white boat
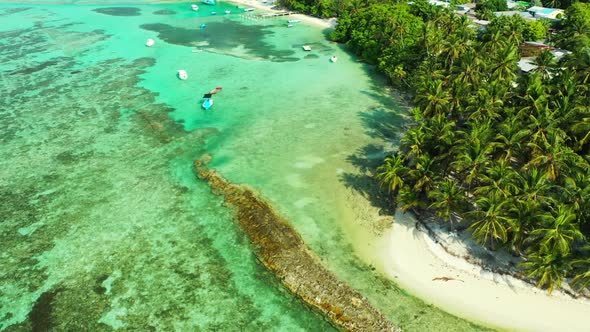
306	48
227	11
182	74
194	7
248	9
150	42
334	58
289	25
213	13
293	21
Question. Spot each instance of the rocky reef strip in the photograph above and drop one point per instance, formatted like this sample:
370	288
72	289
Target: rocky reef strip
280	248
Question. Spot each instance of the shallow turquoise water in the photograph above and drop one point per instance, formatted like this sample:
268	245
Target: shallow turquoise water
103	222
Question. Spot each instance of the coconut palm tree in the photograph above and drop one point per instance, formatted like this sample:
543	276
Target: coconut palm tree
433	98
559	232
448	198
511	139
491	220
545	62
391	173
504	67
548	268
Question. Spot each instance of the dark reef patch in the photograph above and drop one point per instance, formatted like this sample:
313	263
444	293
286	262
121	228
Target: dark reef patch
224	36
164	12
281	250
119	11
40	315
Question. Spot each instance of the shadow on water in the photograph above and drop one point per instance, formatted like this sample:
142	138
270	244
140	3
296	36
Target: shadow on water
225	36
383	123
119	11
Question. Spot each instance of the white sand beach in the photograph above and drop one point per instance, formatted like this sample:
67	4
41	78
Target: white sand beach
267	5
415	261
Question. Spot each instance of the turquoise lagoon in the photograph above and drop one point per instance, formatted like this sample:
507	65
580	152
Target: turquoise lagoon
103	224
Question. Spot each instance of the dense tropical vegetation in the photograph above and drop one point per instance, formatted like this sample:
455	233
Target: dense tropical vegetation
506	153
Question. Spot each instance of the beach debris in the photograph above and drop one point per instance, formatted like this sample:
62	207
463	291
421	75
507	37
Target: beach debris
446	279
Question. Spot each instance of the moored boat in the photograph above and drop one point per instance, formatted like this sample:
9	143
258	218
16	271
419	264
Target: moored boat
293	21
182	74
194	7
289	25
209	2
306	48
227	11
248	9
334	58
207	101
202	26
150	42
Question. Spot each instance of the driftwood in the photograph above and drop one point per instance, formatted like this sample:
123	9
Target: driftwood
280	249
446	279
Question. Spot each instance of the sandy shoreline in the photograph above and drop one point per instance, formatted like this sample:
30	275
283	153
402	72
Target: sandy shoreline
267	6
410	257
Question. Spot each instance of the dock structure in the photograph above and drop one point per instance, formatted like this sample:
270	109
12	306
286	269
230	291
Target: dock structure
250	16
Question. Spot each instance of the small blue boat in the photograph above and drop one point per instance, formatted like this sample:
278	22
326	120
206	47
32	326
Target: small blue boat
209	2
207	101
202	26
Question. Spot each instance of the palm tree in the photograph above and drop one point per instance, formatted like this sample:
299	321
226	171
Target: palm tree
504	64
483	106
560	231
545	62
582	279
392	172
433	98
424	174
534	188
511	139
468	70
498	179
447	198
555	160
548	268
491	220
473	151
414	142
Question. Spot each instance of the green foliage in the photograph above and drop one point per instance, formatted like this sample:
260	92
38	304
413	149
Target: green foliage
536	30
575	35
492	5
508	153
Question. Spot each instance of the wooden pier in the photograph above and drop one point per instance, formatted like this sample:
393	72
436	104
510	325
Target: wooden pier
250	16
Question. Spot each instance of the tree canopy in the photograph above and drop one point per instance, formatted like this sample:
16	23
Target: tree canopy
506	152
